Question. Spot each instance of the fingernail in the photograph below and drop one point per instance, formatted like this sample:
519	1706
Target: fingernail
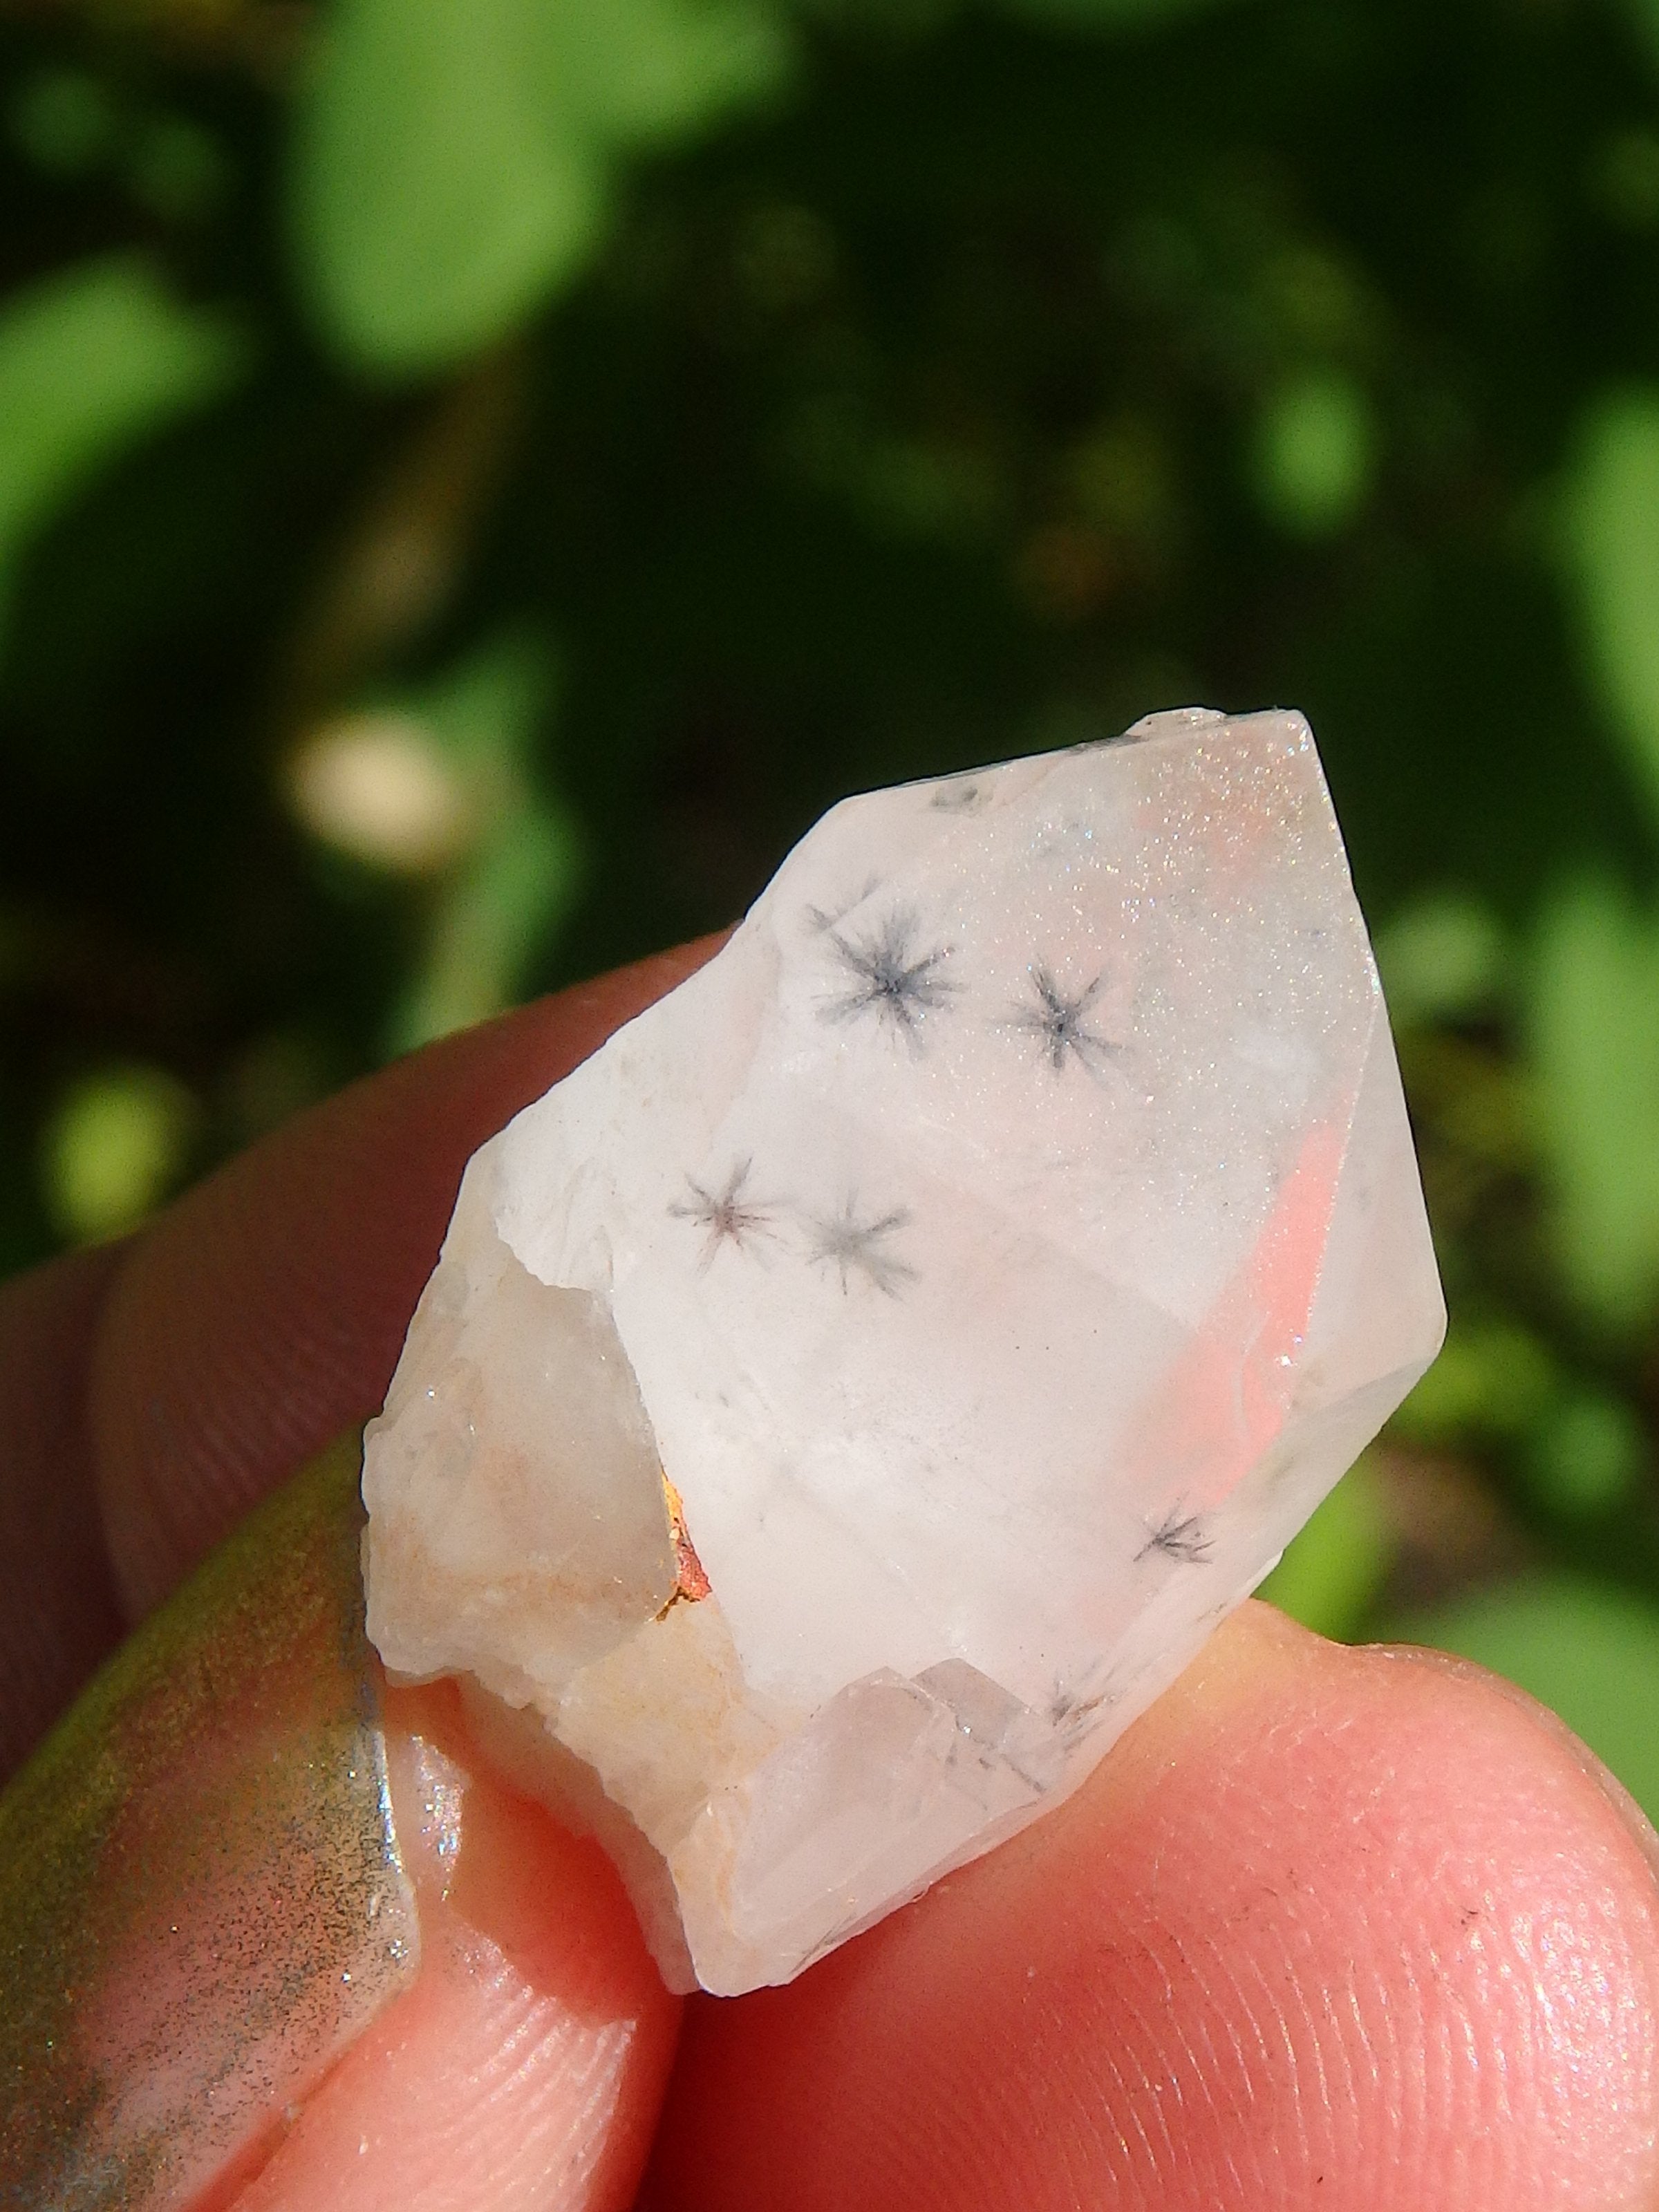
201	1899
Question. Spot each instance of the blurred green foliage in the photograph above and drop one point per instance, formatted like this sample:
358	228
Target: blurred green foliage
476	480
1333	1575
117	1140
453	161
92	358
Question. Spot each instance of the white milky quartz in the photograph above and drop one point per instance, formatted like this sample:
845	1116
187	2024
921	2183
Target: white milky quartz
1000	1246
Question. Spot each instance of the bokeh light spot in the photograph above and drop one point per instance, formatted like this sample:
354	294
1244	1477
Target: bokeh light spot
116	1147
1314	453
377	786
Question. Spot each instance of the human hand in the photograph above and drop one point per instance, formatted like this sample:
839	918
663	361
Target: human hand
1329	1929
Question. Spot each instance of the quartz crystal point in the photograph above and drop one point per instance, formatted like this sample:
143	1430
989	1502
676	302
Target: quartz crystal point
846	1402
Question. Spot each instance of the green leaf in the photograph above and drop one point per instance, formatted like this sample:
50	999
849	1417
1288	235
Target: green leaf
1314	453
521	874
1589	1653
1331	1572
1443	958
1494	1378
454	159
1589	1454
1596	1051
648	72
436	198
114	1148
485	711
490	925
1611	535
92	361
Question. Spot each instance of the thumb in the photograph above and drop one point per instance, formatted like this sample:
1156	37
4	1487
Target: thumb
525	2067
270	1934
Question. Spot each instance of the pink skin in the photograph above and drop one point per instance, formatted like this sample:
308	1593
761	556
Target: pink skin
1329	1929
535	2043
1334	1929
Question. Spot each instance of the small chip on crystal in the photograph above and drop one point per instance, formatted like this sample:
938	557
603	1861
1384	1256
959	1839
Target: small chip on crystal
847	1400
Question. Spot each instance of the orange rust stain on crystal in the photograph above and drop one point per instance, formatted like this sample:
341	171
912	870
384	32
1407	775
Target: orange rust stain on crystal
690	1581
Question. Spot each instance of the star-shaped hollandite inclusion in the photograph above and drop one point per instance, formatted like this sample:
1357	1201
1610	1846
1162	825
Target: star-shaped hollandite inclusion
728	1216
1057	1020
891	976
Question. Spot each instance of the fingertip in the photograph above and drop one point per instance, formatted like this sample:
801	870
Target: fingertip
1328	1929
1452	1666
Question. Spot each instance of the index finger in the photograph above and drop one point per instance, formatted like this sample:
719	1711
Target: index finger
160	1389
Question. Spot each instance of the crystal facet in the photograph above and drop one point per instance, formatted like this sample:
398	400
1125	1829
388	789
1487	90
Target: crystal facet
844	1402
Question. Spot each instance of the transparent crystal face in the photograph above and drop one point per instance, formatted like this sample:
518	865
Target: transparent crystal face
999	1247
